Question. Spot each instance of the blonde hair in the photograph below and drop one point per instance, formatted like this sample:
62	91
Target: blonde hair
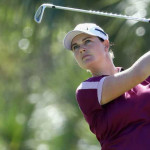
110	50
111	53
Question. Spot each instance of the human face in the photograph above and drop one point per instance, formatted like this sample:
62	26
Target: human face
89	51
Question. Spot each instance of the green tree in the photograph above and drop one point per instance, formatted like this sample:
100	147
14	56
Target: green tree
38	109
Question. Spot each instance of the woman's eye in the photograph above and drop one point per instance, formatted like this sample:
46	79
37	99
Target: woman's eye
87	41
76	47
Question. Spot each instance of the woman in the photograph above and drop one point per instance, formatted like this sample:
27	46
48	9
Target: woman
114	102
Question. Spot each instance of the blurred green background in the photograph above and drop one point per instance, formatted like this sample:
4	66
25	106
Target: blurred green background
38	77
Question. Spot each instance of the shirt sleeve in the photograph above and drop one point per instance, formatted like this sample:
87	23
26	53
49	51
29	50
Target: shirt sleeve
148	79
146	82
88	95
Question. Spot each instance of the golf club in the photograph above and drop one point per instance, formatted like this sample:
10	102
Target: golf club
40	11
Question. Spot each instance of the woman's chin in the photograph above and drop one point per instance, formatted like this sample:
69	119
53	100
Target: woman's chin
87	65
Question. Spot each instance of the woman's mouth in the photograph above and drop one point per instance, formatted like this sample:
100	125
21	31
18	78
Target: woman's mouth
85	56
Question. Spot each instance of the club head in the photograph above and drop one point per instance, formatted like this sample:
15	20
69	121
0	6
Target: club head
39	13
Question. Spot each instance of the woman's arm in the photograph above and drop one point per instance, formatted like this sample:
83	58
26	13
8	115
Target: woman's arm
116	85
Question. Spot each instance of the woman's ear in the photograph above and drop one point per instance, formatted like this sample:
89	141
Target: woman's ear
106	44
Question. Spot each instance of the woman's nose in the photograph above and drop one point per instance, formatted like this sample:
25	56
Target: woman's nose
82	49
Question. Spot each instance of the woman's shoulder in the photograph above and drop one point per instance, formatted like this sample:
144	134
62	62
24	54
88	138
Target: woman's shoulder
95	79
91	83
98	78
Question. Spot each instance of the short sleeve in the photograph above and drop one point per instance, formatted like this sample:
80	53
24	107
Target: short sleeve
88	95
146	82
148	79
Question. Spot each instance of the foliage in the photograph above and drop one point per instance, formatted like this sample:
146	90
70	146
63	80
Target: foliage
38	109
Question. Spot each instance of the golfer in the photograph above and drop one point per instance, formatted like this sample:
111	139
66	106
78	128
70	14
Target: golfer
114	102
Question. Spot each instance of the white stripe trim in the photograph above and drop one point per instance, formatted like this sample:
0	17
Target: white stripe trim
88	85
93	85
99	90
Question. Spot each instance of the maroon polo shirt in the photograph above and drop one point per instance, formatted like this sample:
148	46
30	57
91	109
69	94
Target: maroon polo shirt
122	124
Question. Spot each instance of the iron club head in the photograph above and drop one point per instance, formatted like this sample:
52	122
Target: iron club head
40	11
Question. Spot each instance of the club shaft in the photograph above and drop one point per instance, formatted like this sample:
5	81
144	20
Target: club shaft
99	13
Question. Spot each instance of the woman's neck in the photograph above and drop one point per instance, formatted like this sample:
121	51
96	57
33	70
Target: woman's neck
105	70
